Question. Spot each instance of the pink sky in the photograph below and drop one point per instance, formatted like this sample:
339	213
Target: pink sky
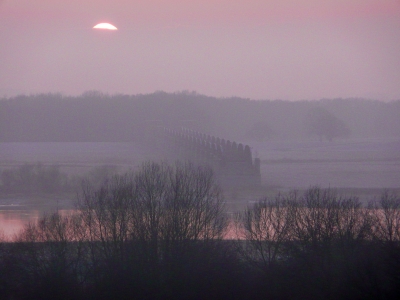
260	49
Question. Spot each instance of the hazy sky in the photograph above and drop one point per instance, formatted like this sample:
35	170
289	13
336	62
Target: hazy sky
260	49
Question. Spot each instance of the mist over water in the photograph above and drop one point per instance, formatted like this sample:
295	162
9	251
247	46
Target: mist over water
207	149
361	166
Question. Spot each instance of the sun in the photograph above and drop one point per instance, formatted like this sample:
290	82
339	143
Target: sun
106	26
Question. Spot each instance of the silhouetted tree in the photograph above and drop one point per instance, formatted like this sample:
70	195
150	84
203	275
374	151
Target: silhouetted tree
49	258
387	216
153	220
387	233
322	123
318	234
264	230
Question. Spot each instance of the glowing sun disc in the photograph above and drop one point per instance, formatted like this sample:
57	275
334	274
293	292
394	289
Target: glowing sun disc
107	26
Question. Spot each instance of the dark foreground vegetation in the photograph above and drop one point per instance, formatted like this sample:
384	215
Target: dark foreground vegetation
160	233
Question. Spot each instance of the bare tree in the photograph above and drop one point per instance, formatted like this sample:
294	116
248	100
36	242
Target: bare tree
387	216
158	209
194	207
314	219
264	230
106	213
354	223
151	185
319	228
49	256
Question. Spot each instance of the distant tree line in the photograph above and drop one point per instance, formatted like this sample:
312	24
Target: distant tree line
37	178
159	233
97	117
33	178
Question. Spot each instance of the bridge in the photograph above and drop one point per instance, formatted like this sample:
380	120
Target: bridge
232	162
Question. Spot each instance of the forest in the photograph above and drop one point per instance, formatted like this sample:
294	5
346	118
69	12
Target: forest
97	117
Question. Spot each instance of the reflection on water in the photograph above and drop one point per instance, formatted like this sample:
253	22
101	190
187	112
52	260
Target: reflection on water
13	220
